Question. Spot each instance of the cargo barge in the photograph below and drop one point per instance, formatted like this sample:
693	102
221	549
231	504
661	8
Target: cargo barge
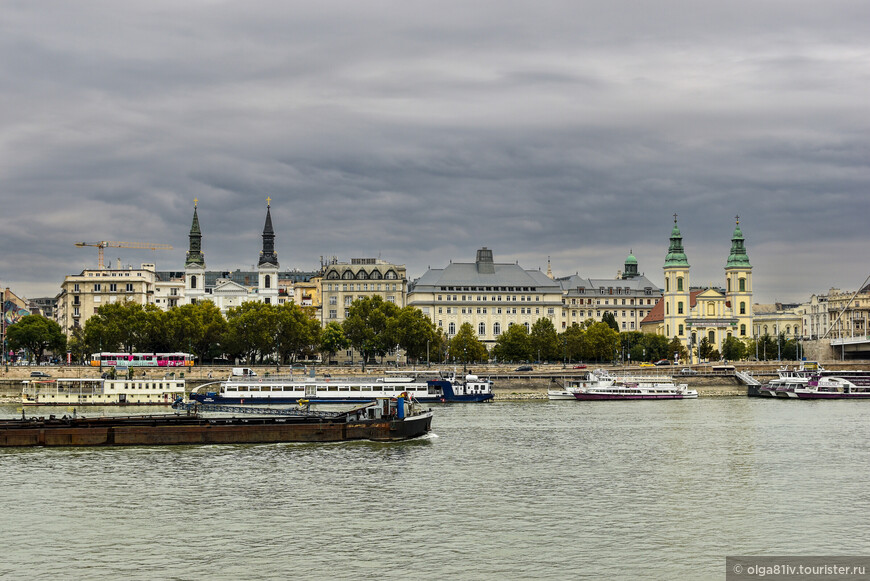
380	421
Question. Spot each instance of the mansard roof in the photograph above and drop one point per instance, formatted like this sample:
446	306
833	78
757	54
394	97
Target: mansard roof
464	274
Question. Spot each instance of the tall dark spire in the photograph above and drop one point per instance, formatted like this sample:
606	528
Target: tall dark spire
194	252
268	255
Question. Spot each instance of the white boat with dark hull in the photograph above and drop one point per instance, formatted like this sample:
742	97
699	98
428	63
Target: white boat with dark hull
290	390
95	391
812	381
637	388
570	385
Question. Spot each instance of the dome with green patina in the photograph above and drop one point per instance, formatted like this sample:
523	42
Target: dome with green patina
738	257
676	255
630	269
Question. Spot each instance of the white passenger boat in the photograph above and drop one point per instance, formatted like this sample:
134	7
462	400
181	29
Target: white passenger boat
570	385
423	386
635	388
92	391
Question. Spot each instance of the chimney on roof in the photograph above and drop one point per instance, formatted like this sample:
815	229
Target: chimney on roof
484	261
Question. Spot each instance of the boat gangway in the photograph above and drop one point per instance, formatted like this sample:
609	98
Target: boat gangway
746	378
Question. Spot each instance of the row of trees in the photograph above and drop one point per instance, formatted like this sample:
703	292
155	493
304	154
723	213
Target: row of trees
258	332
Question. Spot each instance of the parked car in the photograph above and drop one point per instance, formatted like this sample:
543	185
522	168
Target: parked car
524	368
645	364
688	371
663	362
39	374
581	366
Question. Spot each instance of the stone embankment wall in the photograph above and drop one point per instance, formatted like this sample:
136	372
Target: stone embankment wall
508	383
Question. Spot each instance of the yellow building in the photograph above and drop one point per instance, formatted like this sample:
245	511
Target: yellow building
490	296
343	283
711	313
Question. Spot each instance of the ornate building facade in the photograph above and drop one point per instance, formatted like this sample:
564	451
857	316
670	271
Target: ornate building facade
713	313
631	296
490	296
345	282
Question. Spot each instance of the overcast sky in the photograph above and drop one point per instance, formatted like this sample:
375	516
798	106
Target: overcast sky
421	131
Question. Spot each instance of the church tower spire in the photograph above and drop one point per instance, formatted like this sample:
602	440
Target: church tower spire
194	252
268	255
676	296
738	281
676	255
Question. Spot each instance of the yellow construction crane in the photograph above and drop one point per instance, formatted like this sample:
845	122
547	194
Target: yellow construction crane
105	243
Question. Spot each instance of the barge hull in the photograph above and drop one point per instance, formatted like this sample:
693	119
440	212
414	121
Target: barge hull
179	430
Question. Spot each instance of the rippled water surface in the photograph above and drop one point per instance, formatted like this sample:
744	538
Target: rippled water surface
559	490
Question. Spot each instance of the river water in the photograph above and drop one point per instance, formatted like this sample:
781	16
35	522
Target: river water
512	490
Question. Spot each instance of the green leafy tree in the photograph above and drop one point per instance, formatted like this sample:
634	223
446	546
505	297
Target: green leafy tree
629	340
465	346
574	343
789	349
367	326
36	334
610	319
655	347
705	349
250	331
413	331
602	342
733	349
513	345
76	345
332	339
544	340
766	348
676	347
296	330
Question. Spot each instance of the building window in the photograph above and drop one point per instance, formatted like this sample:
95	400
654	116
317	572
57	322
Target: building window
98	287
526	325
451	329
391	299
743	285
742	308
667	284
679	283
193	281
267	282
680	331
113	287
481	329
496	329
743	330
76	287
680	310
268	301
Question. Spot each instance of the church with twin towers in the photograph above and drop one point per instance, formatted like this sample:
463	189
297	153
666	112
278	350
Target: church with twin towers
224	291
